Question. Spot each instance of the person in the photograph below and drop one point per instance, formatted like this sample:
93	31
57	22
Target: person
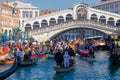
66	59
58	58
5	49
71	52
91	52
15	51
19	55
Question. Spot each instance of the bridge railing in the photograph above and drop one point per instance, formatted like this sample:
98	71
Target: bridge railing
74	22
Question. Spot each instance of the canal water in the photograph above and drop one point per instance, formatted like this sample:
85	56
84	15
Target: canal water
98	69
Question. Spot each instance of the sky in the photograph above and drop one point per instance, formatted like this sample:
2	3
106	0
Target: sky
55	4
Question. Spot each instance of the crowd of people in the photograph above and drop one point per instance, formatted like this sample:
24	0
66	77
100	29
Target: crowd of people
24	51
64	50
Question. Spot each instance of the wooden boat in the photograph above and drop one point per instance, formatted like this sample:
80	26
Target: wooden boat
97	41
7	73
33	61
28	63
6	62
9	62
60	69
1	62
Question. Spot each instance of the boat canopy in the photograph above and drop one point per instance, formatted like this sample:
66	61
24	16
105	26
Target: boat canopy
94	37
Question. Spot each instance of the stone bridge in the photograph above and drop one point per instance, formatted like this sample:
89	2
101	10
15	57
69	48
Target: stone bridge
50	32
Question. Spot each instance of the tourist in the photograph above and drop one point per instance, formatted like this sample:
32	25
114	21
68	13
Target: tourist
19	55
66	59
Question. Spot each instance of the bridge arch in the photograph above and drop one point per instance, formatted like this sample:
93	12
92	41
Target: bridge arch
44	23
28	27
69	17
94	17
111	21
48	32
70	29
118	23
60	19
52	21
102	19
36	25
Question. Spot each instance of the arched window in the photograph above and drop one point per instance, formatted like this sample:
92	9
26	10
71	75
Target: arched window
30	14
27	27
102	19
52	21
36	25
36	13
69	17
23	14
111	21
44	23
27	13
94	17
60	19
118	23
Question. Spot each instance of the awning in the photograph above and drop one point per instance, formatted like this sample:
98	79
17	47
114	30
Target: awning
16	30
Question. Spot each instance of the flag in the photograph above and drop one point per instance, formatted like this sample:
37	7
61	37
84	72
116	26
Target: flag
14	12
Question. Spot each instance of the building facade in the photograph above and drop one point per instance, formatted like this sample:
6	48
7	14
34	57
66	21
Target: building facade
9	17
27	11
80	12
108	5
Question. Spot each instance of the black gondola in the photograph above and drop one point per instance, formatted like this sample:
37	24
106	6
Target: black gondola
7	73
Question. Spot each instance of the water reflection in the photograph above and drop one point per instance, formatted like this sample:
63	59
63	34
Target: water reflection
113	69
64	76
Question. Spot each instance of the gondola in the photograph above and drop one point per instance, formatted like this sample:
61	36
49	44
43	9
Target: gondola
6	62
60	69
115	59
7	73
29	62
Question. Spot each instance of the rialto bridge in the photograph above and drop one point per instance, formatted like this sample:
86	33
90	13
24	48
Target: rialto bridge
79	19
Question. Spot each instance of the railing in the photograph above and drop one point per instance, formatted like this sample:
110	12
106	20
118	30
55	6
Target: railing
71	24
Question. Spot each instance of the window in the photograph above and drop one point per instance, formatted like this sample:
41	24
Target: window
107	7
36	14
30	14
23	14
103	8
27	14
116	5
